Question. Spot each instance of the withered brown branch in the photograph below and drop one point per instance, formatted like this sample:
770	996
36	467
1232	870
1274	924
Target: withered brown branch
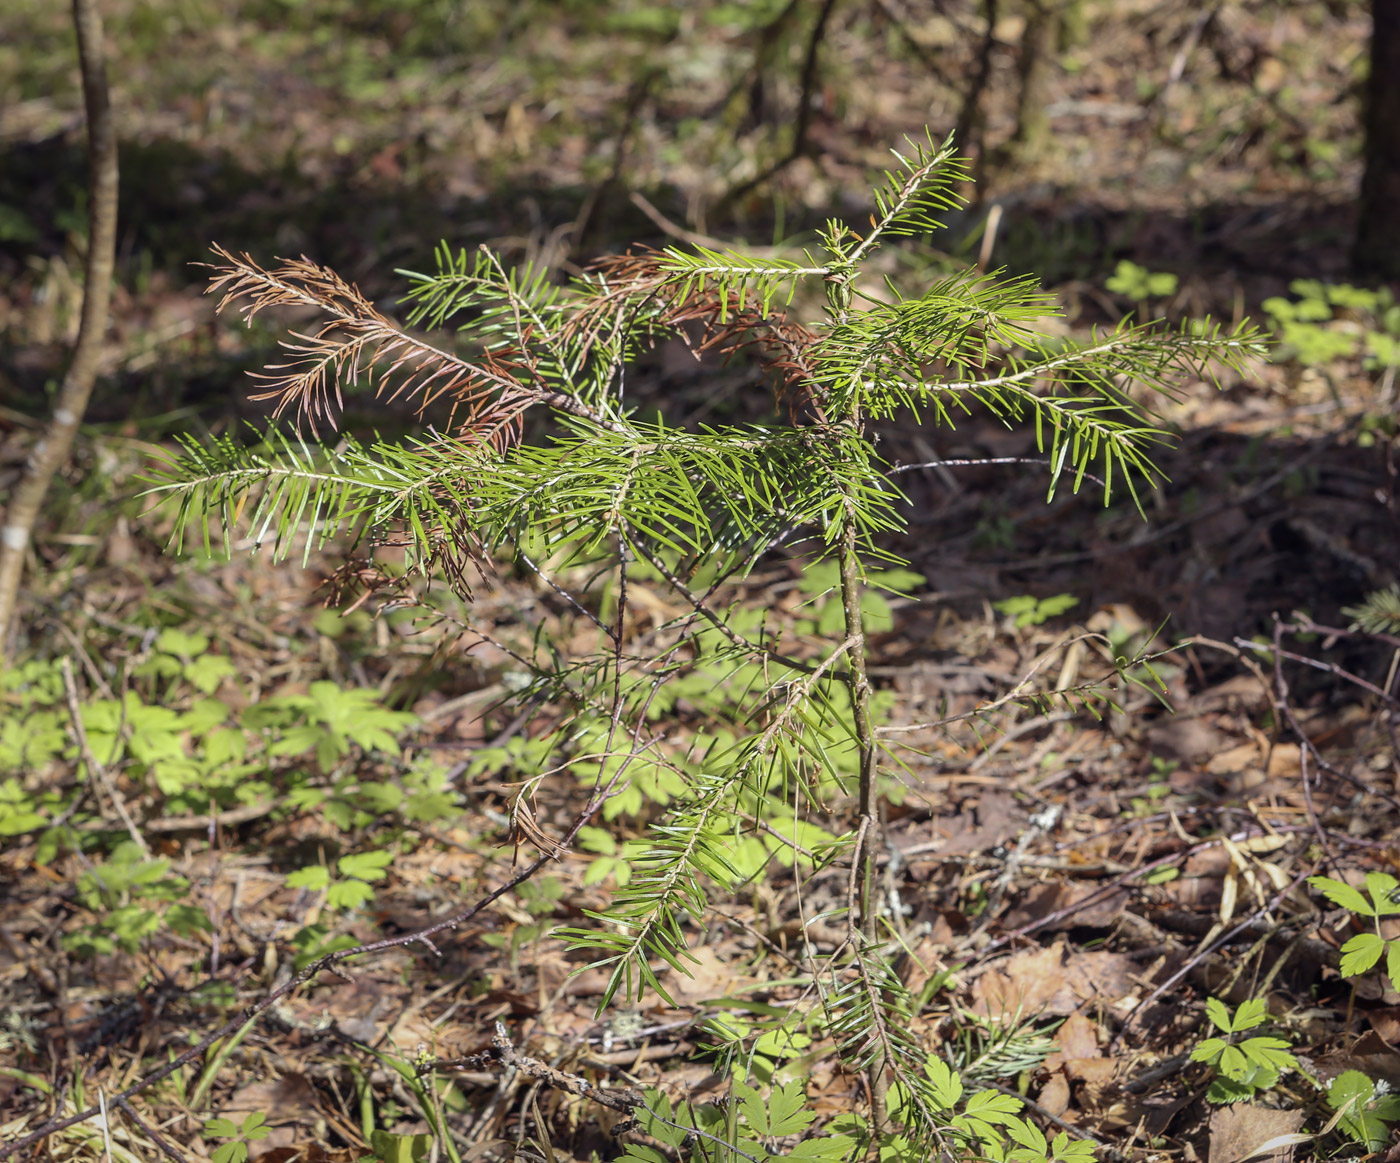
18	517
165	1147
489	391
729	321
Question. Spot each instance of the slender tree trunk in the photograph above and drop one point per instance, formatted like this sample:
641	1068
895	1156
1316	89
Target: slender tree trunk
871	839
968	131
1377	249
798	147
54	445
870	834
1074	26
1039	45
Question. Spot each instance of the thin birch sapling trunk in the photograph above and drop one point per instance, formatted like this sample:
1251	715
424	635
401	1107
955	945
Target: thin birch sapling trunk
53	446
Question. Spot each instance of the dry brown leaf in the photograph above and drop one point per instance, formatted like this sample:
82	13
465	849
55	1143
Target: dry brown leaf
1241	690
1095	1074
1369	1054
1023	984
709	978
1191	740
1049	898
1054	1095
1238	1131
1234	759
1386	1023
1041	981
290	1103
1097	977
1078	1037
994	819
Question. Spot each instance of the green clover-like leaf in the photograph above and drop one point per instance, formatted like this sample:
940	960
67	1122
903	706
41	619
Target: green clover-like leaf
1342	894
1382	887
1349	1085
947	1086
1209	1050
1272	1053
314	877
349	894
1251	1013
1225	1090
1219	1015
1360	953
365	865
255	1126
1233	1064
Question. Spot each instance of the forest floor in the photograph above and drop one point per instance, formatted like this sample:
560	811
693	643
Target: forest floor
1069	888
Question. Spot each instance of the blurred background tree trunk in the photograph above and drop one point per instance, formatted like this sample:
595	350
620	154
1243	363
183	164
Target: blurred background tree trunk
1377	251
1040	45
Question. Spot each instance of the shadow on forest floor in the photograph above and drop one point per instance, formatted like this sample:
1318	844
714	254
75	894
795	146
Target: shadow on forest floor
1251	522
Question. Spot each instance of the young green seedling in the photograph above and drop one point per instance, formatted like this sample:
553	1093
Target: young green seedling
1363	951
1244	1068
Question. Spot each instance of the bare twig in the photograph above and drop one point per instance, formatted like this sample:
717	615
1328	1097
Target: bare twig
503	1050
1242	649
1305	751
1099	894
95	767
970	115
160	1141
898	16
804	110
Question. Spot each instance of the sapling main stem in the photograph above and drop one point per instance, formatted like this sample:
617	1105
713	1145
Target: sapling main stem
857	679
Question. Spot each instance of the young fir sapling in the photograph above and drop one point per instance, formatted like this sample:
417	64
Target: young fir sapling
642	501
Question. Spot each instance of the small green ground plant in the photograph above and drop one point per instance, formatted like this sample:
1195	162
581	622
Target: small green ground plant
1365	1109
1364	951
1324	323
234	1138
1243	1067
1141	285
181	752
782	764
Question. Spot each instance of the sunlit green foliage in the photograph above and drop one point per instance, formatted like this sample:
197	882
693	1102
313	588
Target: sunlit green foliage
1326	323
183	751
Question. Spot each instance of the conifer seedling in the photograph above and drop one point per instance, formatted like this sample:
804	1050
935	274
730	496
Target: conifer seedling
533	451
